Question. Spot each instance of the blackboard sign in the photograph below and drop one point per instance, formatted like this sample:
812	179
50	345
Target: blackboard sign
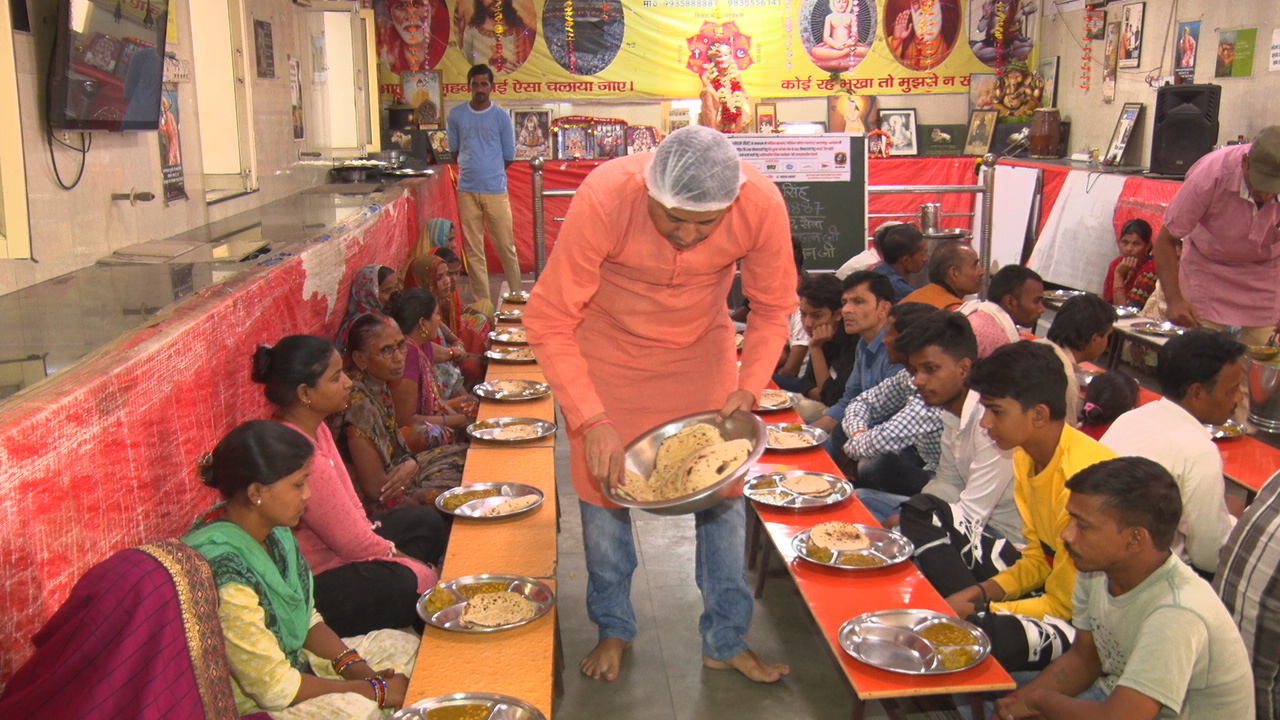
823	179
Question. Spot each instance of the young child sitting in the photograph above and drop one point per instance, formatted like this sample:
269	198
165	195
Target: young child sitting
1107	397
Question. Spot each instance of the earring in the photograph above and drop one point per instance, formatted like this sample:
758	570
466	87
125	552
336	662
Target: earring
257	502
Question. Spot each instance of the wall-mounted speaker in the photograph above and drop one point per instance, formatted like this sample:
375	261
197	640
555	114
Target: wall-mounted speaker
1186	127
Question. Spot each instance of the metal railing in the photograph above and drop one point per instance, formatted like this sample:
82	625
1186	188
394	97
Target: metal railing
986	189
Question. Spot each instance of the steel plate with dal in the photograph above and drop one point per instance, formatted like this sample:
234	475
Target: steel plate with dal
450	618
886	545
475	509
1227	430
817	435
890	640
532	391
496	707
1162	329
516	297
642	453
486	429
507	355
764	489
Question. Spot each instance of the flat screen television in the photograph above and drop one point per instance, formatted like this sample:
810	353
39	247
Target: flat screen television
108	65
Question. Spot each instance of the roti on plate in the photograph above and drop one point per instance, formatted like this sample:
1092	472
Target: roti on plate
515	504
839	537
515	432
774	398
810	485
497	609
781	439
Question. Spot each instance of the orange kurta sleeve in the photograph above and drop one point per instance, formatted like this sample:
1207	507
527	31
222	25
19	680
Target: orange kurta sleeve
768	281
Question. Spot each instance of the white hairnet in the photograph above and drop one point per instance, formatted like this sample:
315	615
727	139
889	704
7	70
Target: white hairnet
697	169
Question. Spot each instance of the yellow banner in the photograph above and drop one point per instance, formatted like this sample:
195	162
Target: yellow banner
655	49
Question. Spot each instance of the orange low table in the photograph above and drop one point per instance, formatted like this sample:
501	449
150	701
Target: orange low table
835	596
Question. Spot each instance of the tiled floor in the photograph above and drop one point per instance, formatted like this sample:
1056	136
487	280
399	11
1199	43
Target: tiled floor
663	677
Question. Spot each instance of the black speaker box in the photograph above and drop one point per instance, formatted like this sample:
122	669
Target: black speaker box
1186	127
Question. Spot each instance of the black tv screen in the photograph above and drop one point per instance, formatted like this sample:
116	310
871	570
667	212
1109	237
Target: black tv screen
108	65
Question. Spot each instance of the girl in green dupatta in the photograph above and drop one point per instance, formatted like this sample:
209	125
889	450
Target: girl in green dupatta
283	658
386	473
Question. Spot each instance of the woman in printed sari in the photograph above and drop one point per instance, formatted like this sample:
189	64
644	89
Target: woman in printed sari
371	288
366	578
387	474
149	614
464	331
425	417
283	657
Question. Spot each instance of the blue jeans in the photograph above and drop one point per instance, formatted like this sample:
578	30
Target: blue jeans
1021	678
719	570
880	503
790	383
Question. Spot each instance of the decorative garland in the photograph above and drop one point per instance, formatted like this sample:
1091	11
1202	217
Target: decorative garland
568	36
1002	12
723	77
1086	59
928	50
499	61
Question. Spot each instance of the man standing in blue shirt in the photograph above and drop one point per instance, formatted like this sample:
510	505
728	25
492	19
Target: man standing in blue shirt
905	253
484	139
865	305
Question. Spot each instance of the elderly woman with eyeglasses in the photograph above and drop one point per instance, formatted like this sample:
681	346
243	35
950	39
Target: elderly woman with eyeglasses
386	473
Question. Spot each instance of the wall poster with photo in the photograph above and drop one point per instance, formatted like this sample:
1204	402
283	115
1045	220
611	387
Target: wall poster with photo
533	133
439	140
610	138
900	125
766	118
1048	70
641	138
982	126
1120	136
1131	34
1185	44
422	91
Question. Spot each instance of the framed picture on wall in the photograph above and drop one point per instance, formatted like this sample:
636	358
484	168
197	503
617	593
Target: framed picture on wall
533	133
1048	70
1131	34
941	139
1120	136
982	126
422	91
439	140
766	118
901	128
641	138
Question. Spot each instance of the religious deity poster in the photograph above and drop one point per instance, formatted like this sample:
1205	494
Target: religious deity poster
736	49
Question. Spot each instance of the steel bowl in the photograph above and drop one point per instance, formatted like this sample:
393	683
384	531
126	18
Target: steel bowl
643	452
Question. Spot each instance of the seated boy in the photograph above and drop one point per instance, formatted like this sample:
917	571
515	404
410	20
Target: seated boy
1152	640
1023	392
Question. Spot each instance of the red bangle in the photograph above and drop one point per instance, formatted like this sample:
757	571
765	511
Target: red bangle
598	423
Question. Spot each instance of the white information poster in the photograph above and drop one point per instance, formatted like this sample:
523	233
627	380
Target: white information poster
1274	55
797	158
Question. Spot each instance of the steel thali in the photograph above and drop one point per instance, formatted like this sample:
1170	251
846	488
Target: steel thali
482	706
893	640
529	390
449	617
768	490
887	548
491	430
476	508
816	435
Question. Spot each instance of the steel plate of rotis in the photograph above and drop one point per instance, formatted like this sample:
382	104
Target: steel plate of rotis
511	429
914	642
443	605
518	355
769	490
794	436
771	400
512	390
489	501
887	548
1162	329
509	316
509	336
470	706
642	455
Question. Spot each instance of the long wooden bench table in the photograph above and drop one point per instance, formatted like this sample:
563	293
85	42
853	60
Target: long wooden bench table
835	596
522	662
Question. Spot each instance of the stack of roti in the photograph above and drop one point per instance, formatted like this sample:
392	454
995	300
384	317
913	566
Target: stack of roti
695	458
839	537
515	432
497	609
515	504
783	439
809	485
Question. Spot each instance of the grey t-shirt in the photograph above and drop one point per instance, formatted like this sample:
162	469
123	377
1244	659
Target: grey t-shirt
1170	639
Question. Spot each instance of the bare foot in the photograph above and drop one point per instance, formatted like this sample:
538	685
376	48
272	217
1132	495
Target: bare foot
749	664
605	661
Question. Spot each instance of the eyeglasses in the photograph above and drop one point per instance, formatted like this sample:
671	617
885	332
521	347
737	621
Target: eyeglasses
386	352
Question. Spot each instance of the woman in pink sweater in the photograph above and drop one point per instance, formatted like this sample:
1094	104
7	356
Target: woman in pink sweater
366	577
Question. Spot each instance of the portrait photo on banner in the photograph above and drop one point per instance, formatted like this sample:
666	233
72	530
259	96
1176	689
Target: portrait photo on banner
900	125
533	133
921	33
583	36
837	34
412	35
1018	20
475	27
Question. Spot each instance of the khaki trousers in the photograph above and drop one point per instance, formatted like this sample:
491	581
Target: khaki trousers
476	212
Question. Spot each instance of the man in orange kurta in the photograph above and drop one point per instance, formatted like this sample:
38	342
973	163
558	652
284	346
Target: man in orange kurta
630	325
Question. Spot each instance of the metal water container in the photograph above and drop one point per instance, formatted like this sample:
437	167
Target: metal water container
1264	395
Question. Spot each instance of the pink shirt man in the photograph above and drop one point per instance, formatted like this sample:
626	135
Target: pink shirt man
1230	269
